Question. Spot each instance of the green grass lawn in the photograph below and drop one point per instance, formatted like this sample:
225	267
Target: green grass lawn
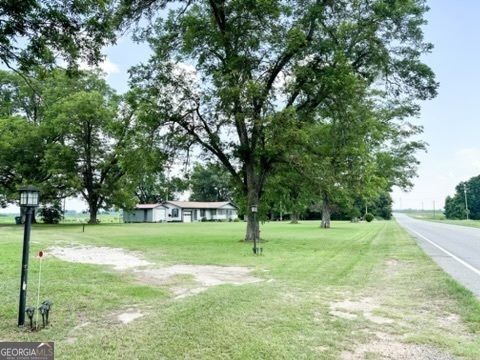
307	272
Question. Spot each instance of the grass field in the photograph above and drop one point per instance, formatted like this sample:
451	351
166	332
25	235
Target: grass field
113	218
470	223
439	217
426	214
353	291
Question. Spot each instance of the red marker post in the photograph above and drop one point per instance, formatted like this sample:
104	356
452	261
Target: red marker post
40	257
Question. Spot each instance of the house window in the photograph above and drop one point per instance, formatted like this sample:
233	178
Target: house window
221	212
214	212
202	212
174	212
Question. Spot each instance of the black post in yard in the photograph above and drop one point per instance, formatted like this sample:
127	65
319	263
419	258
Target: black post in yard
255	236
24	276
254	210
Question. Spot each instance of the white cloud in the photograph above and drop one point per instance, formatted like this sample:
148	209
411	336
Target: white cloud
106	66
109	67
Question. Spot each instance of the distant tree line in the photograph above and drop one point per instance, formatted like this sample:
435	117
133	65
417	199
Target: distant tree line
455	205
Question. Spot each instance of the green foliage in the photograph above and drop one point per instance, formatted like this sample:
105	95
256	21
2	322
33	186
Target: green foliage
24	110
455	205
154	187
78	138
37	32
51	214
369	217
210	182
381	207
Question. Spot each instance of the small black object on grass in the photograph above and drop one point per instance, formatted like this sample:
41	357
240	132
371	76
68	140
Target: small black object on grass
30	311
45	310
257	250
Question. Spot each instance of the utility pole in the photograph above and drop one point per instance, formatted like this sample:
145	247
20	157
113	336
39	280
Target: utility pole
466	201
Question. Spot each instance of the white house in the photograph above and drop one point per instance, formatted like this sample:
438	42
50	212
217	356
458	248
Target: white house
182	211
146	213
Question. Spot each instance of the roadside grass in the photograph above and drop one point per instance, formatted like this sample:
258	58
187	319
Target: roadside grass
428	216
425	214
470	223
307	272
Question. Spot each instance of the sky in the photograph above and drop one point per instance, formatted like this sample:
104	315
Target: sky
450	120
451	126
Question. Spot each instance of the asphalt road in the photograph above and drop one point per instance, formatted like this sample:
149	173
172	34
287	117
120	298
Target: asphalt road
455	248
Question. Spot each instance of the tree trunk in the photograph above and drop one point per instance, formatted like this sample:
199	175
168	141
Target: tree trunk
253	227
93	210
325	214
294	219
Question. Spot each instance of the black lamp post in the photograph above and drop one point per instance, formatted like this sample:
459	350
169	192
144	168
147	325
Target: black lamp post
29	197
254	212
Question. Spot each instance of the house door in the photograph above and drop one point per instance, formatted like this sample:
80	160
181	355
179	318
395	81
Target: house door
187	216
145	215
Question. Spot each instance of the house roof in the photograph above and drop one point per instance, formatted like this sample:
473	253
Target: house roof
147	206
200	204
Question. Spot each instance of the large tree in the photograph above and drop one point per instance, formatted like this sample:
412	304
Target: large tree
25	136
239	78
71	136
103	152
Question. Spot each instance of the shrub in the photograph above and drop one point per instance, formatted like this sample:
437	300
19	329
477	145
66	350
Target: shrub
51	214
369	217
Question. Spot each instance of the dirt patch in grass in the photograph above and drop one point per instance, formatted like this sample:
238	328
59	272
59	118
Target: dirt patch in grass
182	280
129	315
343	315
385	346
204	276
118	258
365	306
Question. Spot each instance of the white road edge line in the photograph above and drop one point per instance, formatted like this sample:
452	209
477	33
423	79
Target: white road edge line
467	265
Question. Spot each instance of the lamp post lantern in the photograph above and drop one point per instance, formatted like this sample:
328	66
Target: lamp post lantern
29	198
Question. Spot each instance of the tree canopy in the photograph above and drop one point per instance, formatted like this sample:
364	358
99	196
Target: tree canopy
239	78
38	32
71	136
210	182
